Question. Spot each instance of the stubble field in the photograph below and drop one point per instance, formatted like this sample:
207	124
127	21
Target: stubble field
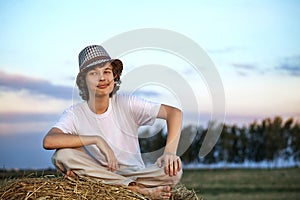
242	184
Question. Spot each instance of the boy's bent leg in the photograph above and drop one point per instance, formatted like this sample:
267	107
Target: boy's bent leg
84	165
153	176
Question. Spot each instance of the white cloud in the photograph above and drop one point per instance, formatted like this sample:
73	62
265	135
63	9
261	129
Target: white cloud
23	113
22	101
25	127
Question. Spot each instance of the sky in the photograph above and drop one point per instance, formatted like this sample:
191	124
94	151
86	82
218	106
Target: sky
254	46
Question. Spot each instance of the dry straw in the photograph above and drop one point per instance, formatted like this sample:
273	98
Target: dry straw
66	189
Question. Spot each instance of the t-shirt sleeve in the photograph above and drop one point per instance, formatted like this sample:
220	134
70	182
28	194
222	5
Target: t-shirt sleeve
143	112
66	122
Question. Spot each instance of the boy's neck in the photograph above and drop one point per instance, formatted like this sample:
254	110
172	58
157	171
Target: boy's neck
99	105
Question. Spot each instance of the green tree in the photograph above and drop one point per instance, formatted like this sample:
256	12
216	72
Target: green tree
189	144
295	141
255	149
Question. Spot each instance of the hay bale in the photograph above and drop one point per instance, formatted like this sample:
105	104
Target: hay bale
67	189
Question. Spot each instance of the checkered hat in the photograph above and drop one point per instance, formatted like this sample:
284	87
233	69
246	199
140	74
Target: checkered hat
94	55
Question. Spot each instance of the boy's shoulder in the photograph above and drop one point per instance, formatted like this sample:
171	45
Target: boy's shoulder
75	107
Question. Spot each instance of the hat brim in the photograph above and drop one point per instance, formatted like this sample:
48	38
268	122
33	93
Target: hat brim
117	64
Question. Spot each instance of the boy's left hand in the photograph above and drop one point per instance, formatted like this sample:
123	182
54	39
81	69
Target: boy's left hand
172	163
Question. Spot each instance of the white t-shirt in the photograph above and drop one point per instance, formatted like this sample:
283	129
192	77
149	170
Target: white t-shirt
118	126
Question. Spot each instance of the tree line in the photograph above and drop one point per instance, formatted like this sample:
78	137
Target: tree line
259	141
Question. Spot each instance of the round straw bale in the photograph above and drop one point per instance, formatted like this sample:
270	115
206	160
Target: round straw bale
70	189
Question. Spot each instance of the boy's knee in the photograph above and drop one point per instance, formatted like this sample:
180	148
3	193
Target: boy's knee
62	154
61	157
171	180
176	179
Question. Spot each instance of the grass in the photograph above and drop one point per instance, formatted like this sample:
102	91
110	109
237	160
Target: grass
222	184
244	184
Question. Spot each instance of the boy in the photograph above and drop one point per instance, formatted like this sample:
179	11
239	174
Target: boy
98	137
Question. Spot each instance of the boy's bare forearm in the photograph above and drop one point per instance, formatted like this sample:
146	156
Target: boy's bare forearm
174	122
56	139
173	117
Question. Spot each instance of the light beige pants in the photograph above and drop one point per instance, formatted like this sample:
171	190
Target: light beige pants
84	165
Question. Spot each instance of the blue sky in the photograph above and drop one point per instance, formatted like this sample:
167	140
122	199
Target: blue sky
254	45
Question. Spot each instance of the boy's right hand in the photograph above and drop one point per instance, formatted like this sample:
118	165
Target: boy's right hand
112	162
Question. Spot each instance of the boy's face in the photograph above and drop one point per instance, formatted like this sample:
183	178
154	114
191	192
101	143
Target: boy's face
100	81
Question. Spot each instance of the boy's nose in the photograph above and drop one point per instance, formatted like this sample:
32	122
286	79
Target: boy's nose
100	76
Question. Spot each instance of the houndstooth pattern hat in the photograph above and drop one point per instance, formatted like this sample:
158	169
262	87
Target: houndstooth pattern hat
94	55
